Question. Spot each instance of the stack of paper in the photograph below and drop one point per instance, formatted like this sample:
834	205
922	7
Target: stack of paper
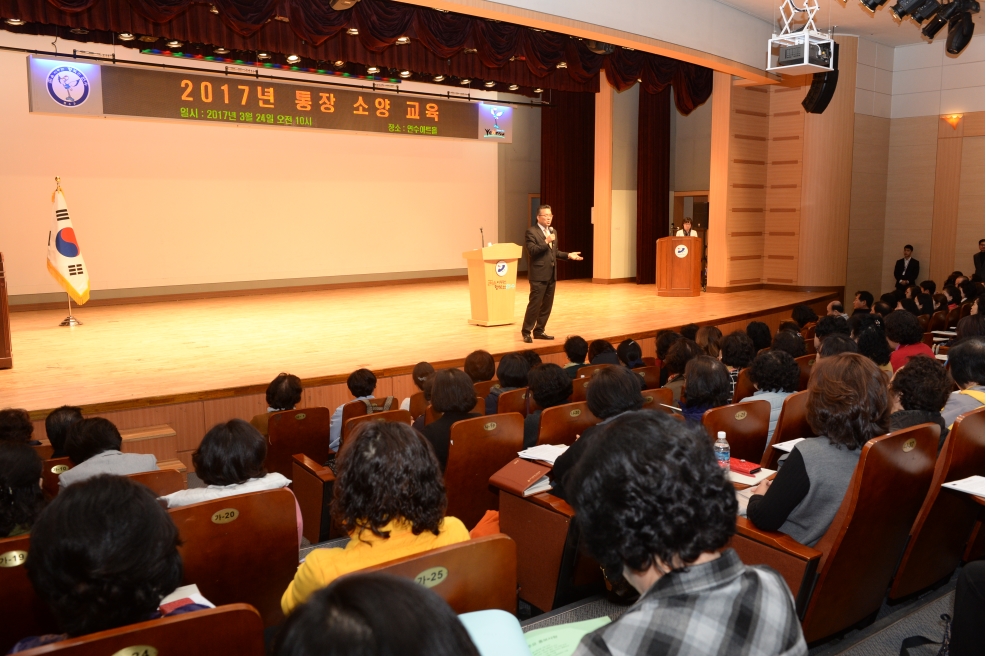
543	452
975	485
787	446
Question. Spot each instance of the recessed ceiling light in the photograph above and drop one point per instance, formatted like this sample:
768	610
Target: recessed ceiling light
513	87
438	78
465	80
405	74
561	65
469	51
402	40
79	30
338	63
539	90
293	59
221	51
263	55
14	21
372	70
174	44
125	36
490	84
352	31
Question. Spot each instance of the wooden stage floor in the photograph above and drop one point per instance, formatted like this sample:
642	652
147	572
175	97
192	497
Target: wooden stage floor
207	348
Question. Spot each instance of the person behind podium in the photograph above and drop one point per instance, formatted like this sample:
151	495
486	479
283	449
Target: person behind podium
542	247
686	229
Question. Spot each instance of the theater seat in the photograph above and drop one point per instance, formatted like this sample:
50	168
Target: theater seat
357	408
650	375
24	614
805	363
792	423
561	424
746	425
656	399
478	448
744	386
859	552
418	404
518	400
161	481
241	549
399	416
233	629
303	430
924	320
479	574
939	321
953	317
945	523
50	472
312	483
590	370
431	415
483	388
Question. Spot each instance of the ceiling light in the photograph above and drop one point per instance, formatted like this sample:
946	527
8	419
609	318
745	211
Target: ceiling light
946	13
79	30
960	31
125	36
925	11
465	81
372	70
352	31
262	56
221	51
438	78
293	59
14	21
953	120
402	40
489	84
338	63
904	7
513	87
213	9
871	5
539	90
561	65
405	74
469	51
174	44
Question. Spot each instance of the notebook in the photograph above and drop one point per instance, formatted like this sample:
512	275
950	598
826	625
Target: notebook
522	477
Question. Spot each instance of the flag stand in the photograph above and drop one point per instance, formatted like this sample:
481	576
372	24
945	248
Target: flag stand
70	320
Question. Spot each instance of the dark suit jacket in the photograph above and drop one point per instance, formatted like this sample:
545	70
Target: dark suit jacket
977	261
911	275
542	254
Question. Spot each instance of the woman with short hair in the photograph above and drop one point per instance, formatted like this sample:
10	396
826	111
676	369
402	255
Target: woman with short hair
283	393
21	498
775	374
737	353
550	386
679	355
389	498
708	339
93	445
904	335
511	374
847	406
919	390
479	366
707	386
452	395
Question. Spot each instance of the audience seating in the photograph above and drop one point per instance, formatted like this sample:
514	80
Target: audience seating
161	482
945	523
953	317
656	399
649	361
746	425
590	370
49	474
400	416
313	483
579	386
418	404
357	408
924	320
24	614
965	310
478	448
939	321
303	430
234	629
805	363
518	400
44	450
241	549
431	415
561	424
860	550
479	574
744	386
808	332
651	376
484	388
928	339
792	423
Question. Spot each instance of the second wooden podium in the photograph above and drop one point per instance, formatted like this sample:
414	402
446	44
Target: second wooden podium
679	266
493	283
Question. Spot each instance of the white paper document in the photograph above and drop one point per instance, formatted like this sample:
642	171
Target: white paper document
787	446
544	452
975	485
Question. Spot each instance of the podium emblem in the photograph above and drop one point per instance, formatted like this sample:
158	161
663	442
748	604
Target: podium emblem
681	250
501	268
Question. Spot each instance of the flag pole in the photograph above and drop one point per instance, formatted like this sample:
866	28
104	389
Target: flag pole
70	320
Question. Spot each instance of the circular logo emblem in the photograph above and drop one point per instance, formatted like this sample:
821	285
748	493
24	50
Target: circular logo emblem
501	268
490	425
741	415
68	86
575	412
680	250
909	445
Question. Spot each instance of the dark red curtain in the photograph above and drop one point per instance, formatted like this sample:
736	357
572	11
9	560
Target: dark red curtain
567	159
653	178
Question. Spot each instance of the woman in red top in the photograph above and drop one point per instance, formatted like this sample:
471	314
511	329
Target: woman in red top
904	335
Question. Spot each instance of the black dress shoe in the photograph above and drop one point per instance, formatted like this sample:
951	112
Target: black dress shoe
527	339
542	336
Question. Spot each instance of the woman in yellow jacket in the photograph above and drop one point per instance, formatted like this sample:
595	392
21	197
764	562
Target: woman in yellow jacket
390	498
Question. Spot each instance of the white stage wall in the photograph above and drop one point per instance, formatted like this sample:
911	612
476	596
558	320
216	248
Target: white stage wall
166	204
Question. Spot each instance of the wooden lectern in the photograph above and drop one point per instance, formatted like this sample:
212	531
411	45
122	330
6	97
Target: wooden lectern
679	266
493	283
6	359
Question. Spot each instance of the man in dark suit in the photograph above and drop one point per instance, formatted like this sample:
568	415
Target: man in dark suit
977	261
542	247
906	270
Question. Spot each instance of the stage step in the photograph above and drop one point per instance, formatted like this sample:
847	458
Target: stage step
177	465
160	440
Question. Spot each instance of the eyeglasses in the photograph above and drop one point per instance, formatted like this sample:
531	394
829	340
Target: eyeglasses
547	216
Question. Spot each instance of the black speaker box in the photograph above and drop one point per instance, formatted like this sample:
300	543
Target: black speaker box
822	87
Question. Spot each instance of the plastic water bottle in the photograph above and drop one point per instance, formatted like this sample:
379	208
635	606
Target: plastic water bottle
721	447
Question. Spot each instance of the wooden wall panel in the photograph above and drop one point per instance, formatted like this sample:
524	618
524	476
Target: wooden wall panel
868	205
719	180
971	209
945	213
783	224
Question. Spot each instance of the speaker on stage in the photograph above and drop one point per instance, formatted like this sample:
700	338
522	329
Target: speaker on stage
822	87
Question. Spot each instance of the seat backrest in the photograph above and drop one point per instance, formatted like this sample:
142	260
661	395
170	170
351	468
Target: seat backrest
746	425
805	363
864	542
965	310
928	339
432	415
579	386
941	531
953	317
358	407
656	399
44	451
478	448
651	376
418	404
302	430
483	387
792	423
479	574
924	320
744	386
233	629
241	549
590	370
49	474
939	320
561	424
513	401
400	416
24	614
161	481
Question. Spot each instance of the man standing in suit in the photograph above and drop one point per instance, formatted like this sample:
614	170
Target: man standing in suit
542	246
906	270
977	261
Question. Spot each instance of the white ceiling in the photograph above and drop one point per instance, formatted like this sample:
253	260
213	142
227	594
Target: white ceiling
850	17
